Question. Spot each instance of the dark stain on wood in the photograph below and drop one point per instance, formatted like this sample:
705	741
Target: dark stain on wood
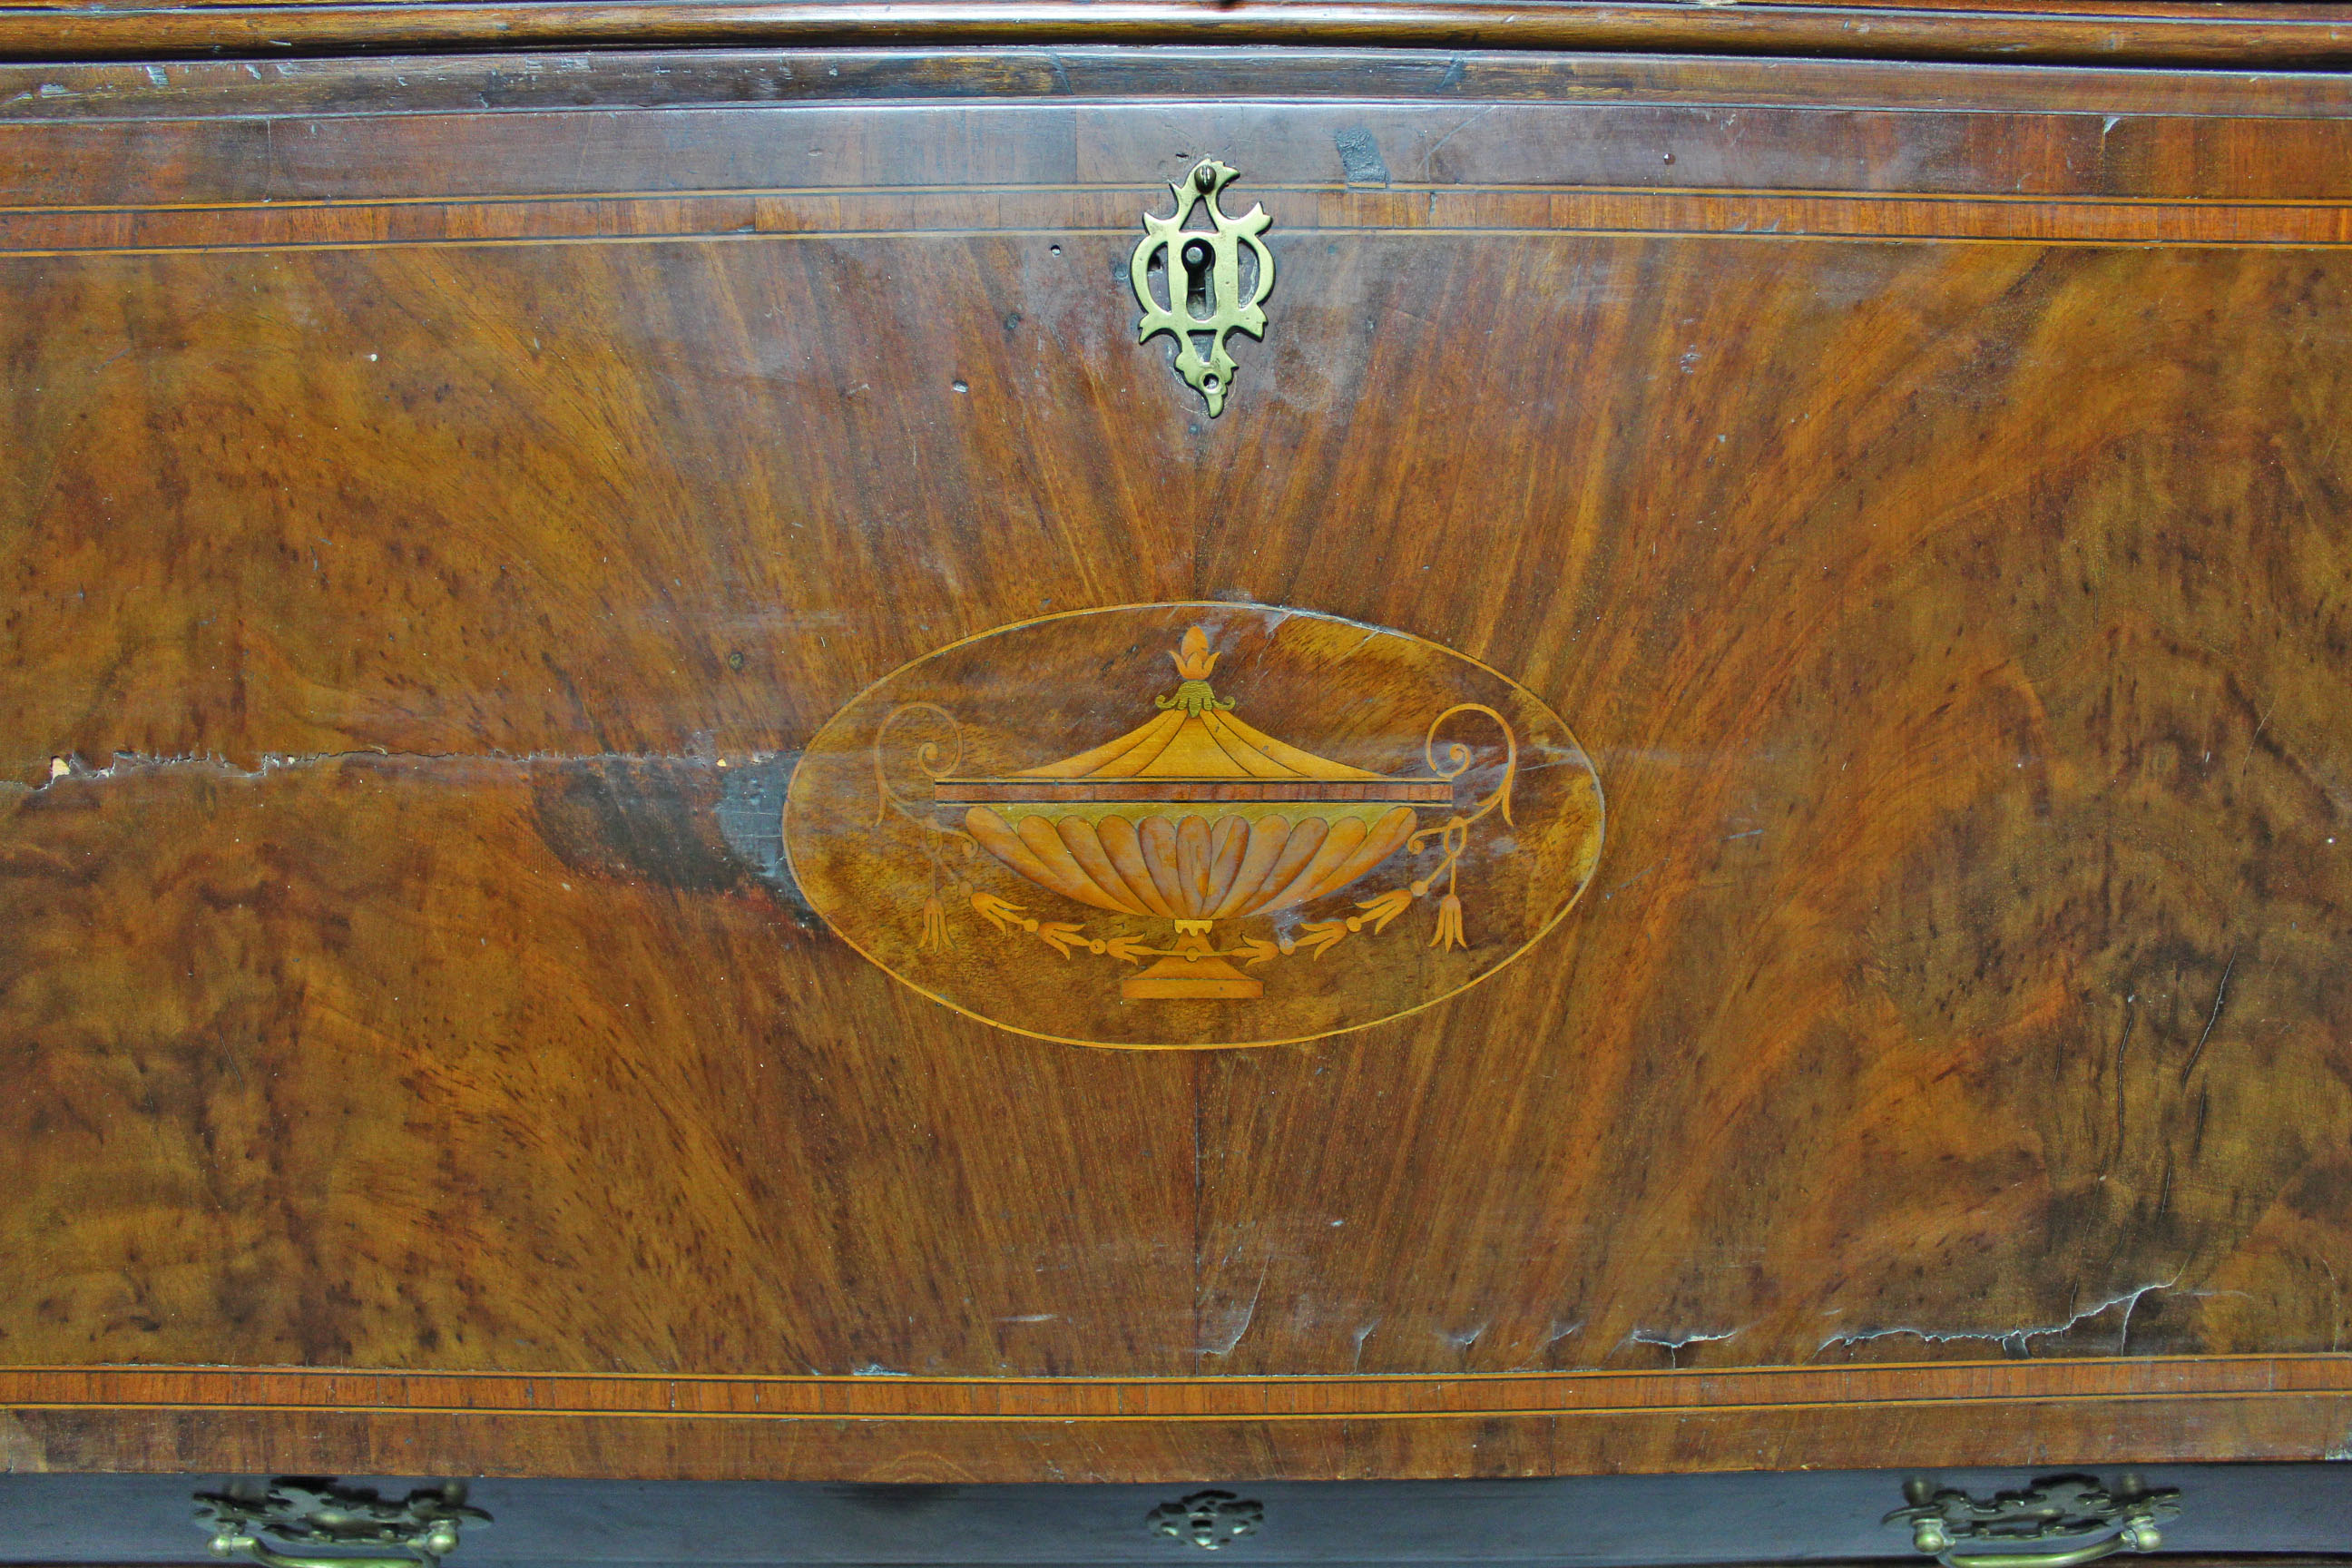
651	821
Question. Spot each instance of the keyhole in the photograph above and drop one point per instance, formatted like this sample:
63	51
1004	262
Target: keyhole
1197	303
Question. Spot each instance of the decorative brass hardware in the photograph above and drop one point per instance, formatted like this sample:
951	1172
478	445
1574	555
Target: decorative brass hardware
359	1528
1207	297
2081	1520
1206	1520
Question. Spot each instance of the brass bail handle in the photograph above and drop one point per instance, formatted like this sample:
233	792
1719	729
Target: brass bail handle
427	1550
357	1528
2081	1520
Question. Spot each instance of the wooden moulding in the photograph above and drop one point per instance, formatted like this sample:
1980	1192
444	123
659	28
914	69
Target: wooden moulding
2278	35
2142	1410
1826	89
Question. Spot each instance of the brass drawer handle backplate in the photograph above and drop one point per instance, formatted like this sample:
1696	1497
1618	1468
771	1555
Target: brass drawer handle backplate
1207	1520
2061	1521
357	1528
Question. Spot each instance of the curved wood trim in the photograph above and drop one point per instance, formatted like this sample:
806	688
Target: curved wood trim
2160	32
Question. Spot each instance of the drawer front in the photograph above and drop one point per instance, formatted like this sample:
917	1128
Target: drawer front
583	632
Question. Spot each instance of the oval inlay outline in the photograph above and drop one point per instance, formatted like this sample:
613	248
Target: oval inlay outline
1193	824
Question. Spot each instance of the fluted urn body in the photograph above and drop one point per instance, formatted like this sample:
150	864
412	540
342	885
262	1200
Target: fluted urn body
1195	817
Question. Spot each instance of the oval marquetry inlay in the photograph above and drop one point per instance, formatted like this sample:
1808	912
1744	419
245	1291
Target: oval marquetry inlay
1189	825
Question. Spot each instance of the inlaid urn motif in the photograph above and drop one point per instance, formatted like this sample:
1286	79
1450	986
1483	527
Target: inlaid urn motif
1196	818
1197	872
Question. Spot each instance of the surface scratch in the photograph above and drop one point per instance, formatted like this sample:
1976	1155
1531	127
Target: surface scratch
1240	1321
2016	1341
66	769
2220	993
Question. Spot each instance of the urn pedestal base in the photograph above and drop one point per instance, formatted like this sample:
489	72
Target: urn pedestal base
1191	978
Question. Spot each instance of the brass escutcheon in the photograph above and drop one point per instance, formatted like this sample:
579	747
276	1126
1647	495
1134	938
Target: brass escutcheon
1208	298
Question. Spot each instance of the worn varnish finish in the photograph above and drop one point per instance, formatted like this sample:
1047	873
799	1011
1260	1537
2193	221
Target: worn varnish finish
421	602
2299	34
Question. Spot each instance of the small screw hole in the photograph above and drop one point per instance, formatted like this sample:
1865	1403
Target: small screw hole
1055	250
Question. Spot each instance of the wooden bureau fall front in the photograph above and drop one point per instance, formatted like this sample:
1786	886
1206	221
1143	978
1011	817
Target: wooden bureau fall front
811	755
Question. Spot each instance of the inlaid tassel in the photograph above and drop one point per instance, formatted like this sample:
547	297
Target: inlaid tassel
1449	924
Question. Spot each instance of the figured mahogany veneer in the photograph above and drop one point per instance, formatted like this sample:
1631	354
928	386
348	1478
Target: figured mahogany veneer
443	497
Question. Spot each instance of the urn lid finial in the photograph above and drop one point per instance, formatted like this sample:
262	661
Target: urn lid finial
1193	659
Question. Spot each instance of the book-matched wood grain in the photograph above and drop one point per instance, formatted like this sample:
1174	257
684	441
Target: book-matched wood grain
432	536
